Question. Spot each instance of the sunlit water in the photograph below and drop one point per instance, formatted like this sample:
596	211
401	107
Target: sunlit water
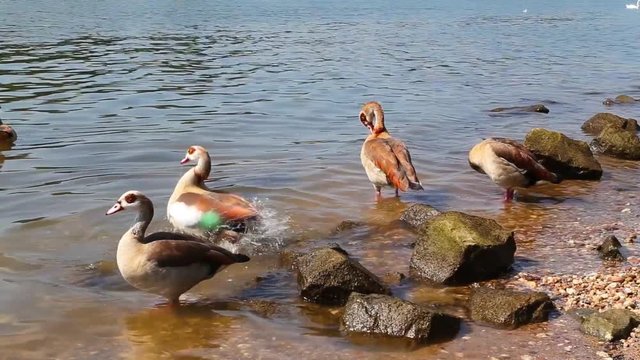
107	95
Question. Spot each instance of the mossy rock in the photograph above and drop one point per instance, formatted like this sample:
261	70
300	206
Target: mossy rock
569	158
600	121
610	325
618	143
457	248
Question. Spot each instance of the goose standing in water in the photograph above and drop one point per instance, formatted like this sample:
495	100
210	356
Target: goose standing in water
508	164
386	160
165	263
198	210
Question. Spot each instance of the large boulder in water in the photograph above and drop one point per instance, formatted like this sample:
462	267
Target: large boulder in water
508	308
618	143
390	316
457	248
610	325
328	275
569	158
600	121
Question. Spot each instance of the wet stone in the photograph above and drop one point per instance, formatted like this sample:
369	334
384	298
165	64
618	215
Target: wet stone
600	121
509	308
569	158
539	108
610	325
618	143
328	276
620	99
390	316
457	248
417	214
610	249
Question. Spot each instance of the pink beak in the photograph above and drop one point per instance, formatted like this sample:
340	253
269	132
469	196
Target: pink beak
114	209
184	161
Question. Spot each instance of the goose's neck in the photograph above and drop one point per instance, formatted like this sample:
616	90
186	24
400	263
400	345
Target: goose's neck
379	114
145	214
203	167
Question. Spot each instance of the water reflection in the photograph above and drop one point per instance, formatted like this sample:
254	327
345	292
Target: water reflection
169	333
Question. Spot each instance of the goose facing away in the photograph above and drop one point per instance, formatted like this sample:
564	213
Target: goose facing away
385	159
509	164
196	209
165	263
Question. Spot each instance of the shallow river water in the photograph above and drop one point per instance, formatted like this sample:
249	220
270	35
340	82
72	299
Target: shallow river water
107	95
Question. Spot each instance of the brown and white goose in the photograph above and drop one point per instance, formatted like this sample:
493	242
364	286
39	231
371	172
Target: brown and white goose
7	134
165	263
386	160
196	209
509	164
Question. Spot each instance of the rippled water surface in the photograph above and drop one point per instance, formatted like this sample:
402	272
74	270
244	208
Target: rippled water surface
107	95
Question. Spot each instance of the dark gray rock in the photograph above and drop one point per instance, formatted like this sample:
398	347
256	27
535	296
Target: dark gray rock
539	108
610	249
571	159
386	315
327	276
620	99
618	143
508	308
610	325
417	214
457	248
600	121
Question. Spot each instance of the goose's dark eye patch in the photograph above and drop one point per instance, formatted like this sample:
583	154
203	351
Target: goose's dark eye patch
191	150
130	198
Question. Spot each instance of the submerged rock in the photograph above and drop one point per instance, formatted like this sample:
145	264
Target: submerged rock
509	308
571	159
610	249
386	315
618	143
457	248
600	121
347	225
610	325
417	214
539	108
328	275
620	99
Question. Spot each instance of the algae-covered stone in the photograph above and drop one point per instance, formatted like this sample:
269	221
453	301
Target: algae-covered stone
457	248
509	308
417	214
610	325
328	275
569	158
618	143
600	121
390	316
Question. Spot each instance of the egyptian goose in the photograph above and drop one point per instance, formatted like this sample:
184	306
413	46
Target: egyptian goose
509	164
165	263
198	210
386	160
7	134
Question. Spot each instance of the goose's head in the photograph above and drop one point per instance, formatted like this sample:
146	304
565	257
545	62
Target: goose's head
194	153
7	134
372	116
132	199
